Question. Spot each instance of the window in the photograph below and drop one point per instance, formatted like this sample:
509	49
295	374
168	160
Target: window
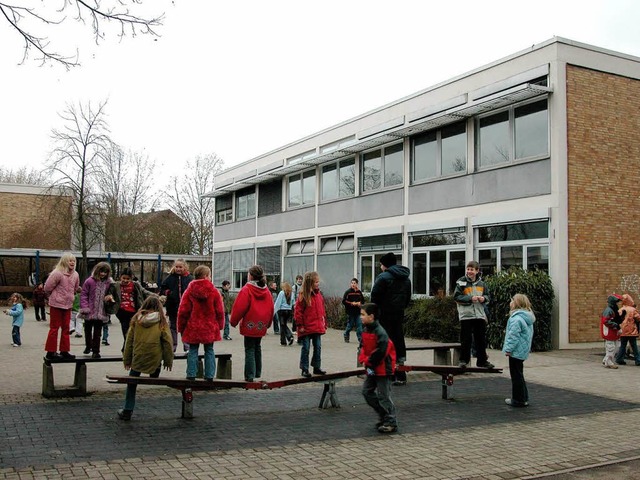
523	245
269	259
300	247
339	179
224	209
336	244
242	261
270	198
514	134
246	203
370	269
438	260
302	188
382	168
440	152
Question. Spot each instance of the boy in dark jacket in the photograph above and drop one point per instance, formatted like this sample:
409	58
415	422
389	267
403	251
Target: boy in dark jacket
378	355
39	300
352	300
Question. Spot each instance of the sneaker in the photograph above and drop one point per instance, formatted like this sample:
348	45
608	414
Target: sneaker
611	366
227	337
78	335
486	364
513	403
104	342
71	331
53	356
462	364
96	355
306	374
67	355
15	345
346	339
87	351
386	428
399	383
124	414
319	371
290	341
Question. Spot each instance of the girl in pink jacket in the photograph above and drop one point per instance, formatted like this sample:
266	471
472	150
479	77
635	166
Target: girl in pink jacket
61	286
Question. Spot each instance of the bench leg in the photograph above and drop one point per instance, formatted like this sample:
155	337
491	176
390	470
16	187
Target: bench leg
187	403
456	356
447	381
442	357
48	387
329	396
223	370
80	378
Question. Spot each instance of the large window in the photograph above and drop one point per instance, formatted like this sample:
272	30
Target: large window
382	168
339	179
302	188
370	268
523	245
246	203
439	152
514	134
438	260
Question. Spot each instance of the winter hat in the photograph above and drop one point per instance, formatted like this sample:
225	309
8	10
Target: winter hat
388	260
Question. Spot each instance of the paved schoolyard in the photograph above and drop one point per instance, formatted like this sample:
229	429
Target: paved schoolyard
577	412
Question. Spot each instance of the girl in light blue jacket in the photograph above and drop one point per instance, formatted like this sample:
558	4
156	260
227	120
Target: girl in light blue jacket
17	312
517	344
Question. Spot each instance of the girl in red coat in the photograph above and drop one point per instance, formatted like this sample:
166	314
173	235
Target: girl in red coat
200	320
311	323
253	310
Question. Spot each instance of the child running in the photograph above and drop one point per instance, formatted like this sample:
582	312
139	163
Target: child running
517	344
311	323
148	345
378	355
200	320
17	312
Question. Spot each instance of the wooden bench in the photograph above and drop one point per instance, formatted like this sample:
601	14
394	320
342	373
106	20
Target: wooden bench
328	399
447	372
79	387
443	353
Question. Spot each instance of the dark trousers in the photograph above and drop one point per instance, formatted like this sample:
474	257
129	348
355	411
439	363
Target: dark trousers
519	392
93	334
476	328
392	323
40	313
376	391
285	332
125	320
252	358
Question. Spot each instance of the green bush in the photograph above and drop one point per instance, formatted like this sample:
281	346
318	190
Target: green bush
535	284
434	318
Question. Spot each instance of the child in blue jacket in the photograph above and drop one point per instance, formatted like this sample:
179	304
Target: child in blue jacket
517	344
17	312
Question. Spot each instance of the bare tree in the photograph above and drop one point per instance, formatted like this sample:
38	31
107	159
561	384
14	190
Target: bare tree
186	199
81	145
32	22
23	176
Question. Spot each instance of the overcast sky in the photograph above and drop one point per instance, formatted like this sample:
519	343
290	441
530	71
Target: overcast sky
241	78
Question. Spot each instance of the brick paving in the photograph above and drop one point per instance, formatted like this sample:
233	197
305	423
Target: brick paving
577	409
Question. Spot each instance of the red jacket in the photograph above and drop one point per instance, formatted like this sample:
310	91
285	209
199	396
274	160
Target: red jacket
201	313
377	351
253	310
310	318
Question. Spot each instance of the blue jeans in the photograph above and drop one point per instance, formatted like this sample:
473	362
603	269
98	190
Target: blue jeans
130	394
353	320
276	323
316	340
15	335
376	391
252	358
226	325
209	360
633	341
105	332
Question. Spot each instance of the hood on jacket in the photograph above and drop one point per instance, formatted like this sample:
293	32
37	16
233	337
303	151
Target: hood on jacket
399	271
526	315
627	300
150	319
256	292
201	289
613	300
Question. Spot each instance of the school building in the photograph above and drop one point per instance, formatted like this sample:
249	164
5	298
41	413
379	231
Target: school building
532	160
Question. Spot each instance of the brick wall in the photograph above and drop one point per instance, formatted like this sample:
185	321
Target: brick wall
603	126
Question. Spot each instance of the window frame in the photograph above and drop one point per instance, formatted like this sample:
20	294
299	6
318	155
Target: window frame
242	194
438	132
300	177
338	166
383	170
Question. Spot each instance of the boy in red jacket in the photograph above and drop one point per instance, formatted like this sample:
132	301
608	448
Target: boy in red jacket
378	355
610	321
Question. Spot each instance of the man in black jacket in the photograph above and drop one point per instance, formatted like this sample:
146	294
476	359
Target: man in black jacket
392	292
